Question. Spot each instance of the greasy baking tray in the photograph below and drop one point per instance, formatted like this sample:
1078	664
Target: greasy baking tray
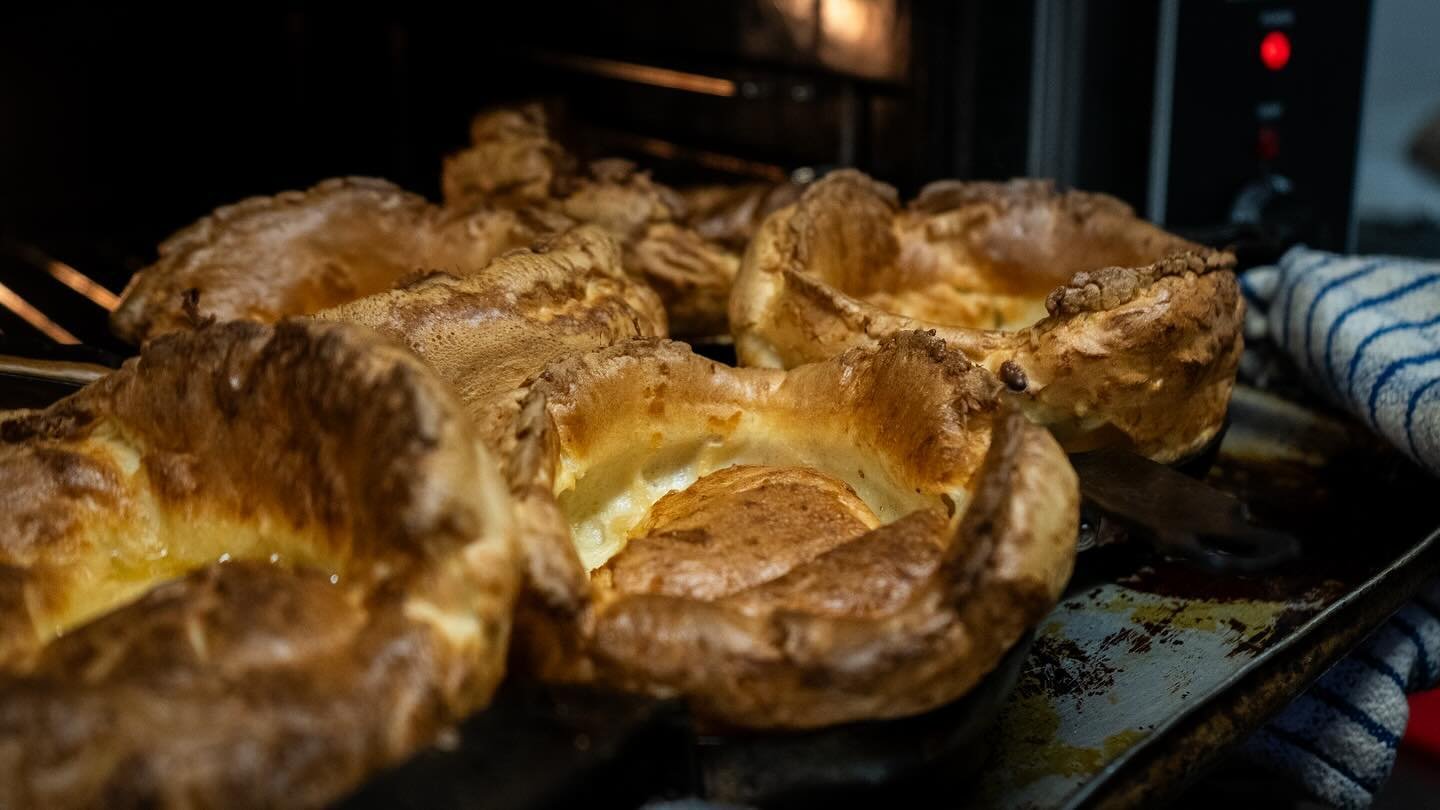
1146	672
1149	669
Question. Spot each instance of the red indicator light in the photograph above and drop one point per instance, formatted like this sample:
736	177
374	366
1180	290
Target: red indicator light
1275	50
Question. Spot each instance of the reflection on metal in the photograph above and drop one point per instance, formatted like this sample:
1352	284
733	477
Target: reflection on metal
1185	518
667	150
1110	667
28	313
641	74
59	371
1056	75
83	284
1163	110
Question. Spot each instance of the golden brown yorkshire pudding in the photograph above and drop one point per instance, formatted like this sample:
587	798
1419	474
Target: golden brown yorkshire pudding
513	162
511	158
1103	327
300	251
488	333
247	569
691	274
858	538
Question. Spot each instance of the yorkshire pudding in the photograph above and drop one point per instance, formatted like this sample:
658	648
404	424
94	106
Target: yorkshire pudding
247	569
731	214
1103	327
513	161
858	538
488	333
691	274
300	251
511	158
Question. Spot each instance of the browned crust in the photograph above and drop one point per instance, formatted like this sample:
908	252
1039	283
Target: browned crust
941	196
245	683
514	162
511	158
1142	355
691	274
736	528
490	332
1113	287
897	621
731	214
296	252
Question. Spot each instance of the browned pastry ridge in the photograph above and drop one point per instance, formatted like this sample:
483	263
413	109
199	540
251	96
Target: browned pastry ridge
691	274
1103	327
246	570
489	332
858	538
690	259
300	251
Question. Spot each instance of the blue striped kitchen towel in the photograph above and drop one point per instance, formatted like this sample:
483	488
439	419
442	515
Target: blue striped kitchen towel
1338	740
1365	333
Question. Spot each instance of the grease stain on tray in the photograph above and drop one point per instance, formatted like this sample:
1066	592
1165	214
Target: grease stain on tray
1141	655
1028	745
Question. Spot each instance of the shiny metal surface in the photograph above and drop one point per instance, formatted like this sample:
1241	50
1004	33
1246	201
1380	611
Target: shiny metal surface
1151	667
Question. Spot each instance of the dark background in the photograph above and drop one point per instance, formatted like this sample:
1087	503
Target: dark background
119	126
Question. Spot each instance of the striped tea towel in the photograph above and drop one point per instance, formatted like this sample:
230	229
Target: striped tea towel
1338	740
1365	333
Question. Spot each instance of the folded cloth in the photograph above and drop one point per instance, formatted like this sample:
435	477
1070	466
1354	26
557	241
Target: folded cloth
1365	333
1338	740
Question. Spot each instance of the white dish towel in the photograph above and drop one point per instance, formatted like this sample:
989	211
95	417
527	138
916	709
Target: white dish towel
1365	333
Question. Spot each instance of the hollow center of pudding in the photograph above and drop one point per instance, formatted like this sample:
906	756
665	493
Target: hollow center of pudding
736	528
127	562
608	493
957	269
128	543
944	304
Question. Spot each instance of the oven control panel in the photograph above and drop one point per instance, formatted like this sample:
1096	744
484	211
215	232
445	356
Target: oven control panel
1264	105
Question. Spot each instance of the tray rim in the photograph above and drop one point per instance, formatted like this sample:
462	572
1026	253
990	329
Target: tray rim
1097	783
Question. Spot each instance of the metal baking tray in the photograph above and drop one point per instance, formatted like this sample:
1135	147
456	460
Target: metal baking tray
1149	669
